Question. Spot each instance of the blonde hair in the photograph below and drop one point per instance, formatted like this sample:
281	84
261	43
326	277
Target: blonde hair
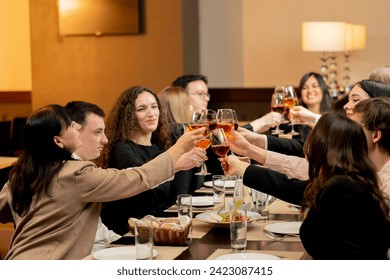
381	74
175	105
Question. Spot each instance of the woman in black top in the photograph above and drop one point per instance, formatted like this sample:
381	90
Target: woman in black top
137	133
346	214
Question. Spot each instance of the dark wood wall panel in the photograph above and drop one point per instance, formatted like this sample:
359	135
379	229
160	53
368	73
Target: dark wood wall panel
15	96
240	94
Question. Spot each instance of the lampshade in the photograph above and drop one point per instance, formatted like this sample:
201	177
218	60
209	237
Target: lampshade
359	36
355	37
323	36
349	37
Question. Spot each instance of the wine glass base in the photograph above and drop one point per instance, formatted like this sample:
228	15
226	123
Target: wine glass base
293	133
276	132
202	173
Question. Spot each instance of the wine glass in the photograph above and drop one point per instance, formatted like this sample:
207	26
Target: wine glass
277	105
211	118
235	120
225	120
290	100
199	119
204	143
282	90
219	143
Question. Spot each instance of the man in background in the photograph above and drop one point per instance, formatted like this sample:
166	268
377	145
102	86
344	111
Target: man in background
199	96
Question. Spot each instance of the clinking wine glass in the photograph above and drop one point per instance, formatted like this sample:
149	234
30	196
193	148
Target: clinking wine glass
290	100
219	143
277	105
199	119
281	90
211	118
204	143
225	120
235	120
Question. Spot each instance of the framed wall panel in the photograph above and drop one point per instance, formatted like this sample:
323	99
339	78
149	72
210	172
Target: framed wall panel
98	17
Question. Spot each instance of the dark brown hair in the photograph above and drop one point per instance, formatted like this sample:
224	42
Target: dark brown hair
337	146
122	123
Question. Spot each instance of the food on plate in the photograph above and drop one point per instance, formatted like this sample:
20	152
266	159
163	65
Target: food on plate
216	217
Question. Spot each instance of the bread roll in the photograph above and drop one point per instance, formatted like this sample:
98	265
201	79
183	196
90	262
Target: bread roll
171	226
156	223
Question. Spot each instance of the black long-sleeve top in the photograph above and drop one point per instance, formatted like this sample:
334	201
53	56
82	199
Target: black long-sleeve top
127	154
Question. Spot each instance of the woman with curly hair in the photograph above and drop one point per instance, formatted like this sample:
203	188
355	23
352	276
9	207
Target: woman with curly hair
136	133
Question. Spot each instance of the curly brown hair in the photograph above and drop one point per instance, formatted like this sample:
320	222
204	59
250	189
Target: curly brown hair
122	124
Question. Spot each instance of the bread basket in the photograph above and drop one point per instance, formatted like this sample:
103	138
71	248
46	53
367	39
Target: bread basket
165	234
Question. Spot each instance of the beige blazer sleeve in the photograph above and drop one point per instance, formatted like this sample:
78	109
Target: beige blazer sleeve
293	167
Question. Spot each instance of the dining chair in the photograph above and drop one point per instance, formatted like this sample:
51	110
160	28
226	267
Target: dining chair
18	125
5	138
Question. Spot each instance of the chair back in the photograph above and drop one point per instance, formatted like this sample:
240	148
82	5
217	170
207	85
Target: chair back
5	138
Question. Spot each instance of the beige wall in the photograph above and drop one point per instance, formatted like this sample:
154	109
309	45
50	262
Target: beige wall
15	57
269	38
98	69
247	43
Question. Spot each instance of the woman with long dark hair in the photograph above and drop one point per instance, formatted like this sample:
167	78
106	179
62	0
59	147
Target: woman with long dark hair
347	215
55	201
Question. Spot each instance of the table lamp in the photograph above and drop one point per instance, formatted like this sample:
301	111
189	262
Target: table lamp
325	36
355	39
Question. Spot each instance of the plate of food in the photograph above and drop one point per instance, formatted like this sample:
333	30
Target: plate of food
229	184
118	253
247	256
212	217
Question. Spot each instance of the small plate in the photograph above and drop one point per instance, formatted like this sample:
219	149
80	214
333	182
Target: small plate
118	253
247	256
204	217
284	228
229	184
200	201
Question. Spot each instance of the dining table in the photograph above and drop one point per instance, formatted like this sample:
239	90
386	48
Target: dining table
209	240
5	167
6	162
